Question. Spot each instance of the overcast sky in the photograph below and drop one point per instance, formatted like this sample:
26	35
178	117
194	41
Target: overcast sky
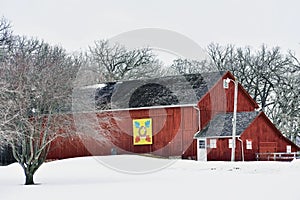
75	24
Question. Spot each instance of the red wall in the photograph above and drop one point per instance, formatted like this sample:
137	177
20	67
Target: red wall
223	152
261	132
265	135
220	100
173	130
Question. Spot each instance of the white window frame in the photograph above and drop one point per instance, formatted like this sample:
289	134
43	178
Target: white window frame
288	148
249	144
213	143
230	143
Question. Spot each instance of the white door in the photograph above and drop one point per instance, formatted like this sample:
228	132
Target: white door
201	149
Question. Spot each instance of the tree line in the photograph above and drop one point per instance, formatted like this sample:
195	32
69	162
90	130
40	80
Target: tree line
270	76
37	80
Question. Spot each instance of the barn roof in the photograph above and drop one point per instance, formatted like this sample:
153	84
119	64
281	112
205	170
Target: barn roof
162	91
221	124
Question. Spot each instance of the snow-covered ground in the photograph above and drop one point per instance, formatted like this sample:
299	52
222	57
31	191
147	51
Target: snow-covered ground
86	178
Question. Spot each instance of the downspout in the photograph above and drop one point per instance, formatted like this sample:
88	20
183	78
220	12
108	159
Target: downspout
198	111
199	128
242	147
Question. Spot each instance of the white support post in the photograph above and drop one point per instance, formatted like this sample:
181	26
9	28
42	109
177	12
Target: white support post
234	120
236	84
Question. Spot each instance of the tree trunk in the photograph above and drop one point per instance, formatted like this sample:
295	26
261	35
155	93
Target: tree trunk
29	177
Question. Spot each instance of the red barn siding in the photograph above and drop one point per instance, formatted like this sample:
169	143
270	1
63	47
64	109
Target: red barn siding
223	152
173	130
264	136
220	100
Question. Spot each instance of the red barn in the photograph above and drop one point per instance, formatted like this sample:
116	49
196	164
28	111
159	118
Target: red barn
185	116
256	139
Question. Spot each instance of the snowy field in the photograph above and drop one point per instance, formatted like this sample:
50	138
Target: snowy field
86	178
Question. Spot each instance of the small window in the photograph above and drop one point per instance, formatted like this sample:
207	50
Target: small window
213	143
289	149
201	144
230	143
248	144
225	84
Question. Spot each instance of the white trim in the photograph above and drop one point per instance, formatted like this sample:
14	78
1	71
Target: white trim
139	108
216	137
152	107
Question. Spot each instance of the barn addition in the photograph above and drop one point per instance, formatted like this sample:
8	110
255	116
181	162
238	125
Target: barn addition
257	139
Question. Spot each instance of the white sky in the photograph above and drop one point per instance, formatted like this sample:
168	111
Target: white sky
75	24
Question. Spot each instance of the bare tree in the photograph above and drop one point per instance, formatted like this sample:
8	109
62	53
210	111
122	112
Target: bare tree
286	112
234	59
5	41
36	86
270	77
5	32
223	57
186	66
5	37
115	62
258	72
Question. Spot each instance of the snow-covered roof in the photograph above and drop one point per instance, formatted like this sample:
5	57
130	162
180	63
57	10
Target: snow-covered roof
95	86
162	91
221	124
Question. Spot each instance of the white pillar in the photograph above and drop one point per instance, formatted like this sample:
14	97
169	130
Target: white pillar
234	120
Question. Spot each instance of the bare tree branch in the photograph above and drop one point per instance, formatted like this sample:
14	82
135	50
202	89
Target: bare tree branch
115	62
36	86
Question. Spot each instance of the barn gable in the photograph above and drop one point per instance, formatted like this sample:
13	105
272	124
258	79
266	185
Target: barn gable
276	131
220	100
265	138
244	98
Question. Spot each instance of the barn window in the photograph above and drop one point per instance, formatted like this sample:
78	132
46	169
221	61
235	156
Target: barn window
225	84
248	144
213	143
289	149
201	144
230	143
